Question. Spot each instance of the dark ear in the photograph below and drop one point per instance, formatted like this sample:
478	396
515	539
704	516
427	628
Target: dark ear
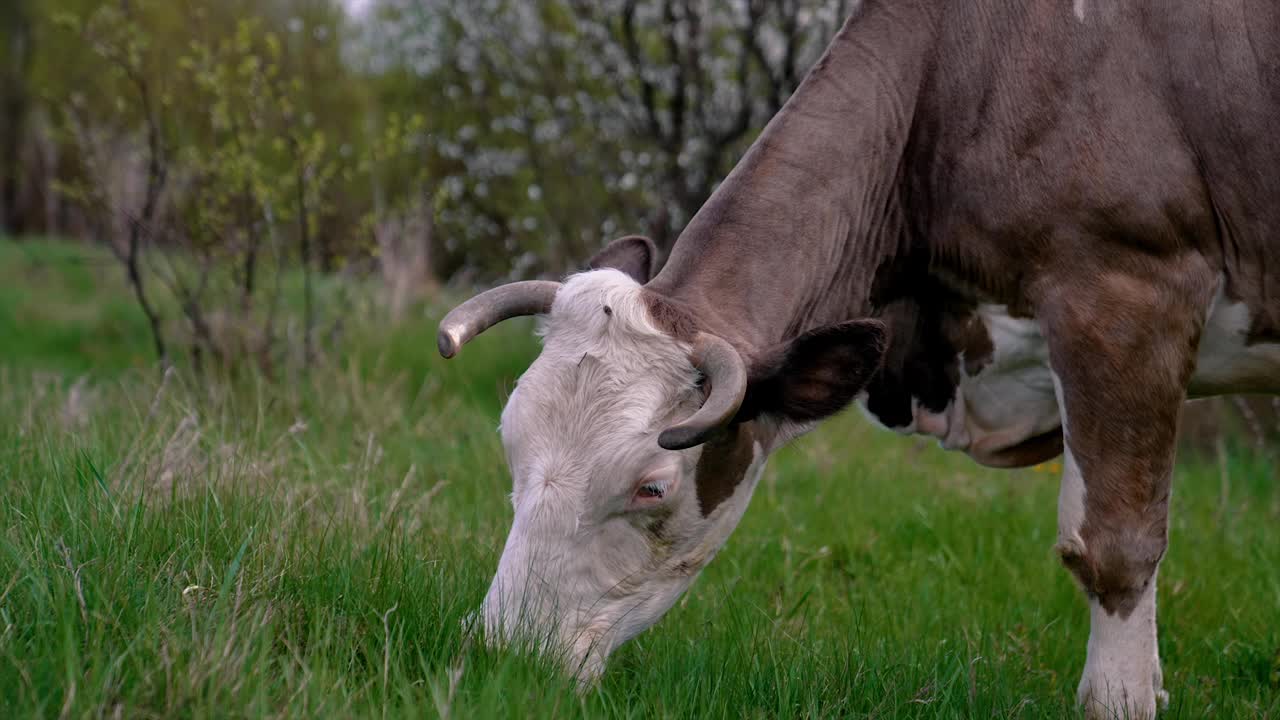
817	374
633	255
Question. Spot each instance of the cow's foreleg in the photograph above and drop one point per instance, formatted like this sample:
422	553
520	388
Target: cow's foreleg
1122	676
1122	348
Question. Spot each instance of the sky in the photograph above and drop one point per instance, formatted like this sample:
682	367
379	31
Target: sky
356	6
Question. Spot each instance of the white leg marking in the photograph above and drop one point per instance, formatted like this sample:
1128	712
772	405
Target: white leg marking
1072	491
1122	677
1079	8
1071	505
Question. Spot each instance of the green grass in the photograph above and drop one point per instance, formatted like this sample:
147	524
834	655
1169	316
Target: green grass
309	549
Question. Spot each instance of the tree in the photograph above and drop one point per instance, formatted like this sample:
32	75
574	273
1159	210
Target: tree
697	79
560	123
213	165
17	52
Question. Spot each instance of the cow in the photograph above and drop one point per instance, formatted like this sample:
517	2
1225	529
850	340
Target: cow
1028	229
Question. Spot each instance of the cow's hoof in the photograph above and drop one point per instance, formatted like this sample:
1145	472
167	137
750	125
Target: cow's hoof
1105	699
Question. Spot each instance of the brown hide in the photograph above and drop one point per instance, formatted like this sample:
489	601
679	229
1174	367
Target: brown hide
1097	174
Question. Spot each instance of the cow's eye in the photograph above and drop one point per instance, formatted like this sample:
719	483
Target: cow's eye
653	489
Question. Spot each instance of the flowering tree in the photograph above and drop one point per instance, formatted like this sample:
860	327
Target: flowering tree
560	123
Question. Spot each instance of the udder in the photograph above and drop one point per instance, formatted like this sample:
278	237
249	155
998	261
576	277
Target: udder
1004	414
1226	361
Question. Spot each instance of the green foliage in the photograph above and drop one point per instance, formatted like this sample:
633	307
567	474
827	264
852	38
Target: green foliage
242	92
244	137
524	134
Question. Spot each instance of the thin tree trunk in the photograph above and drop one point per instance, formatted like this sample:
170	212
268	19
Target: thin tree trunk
156	176
14	106
144	222
304	237
140	293
249	269
273	302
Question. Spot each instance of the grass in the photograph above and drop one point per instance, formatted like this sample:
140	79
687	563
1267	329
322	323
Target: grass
309	548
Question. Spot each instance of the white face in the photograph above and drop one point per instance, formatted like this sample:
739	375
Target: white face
609	528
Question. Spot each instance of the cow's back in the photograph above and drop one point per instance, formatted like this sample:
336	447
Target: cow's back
1224	72
1051	134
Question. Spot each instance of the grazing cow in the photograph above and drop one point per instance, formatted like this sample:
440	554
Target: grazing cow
1026	228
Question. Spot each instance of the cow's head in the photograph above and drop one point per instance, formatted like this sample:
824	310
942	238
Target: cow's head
634	452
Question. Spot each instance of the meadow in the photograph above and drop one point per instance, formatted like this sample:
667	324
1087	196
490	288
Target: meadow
175	546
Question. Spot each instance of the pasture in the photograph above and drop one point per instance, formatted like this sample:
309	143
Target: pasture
175	547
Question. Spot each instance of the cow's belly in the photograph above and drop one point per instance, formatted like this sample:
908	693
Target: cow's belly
1226	361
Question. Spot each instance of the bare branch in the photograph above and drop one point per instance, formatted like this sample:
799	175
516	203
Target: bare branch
742	118
675	140
648	93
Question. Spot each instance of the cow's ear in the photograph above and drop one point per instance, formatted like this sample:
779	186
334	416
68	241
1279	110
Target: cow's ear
634	255
817	374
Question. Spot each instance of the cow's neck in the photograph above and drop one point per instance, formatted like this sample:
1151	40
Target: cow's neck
793	237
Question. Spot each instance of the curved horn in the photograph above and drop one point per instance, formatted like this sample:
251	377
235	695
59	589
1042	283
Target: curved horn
528	297
723	367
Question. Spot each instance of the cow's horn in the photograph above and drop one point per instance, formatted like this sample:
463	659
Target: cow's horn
723	368
529	297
